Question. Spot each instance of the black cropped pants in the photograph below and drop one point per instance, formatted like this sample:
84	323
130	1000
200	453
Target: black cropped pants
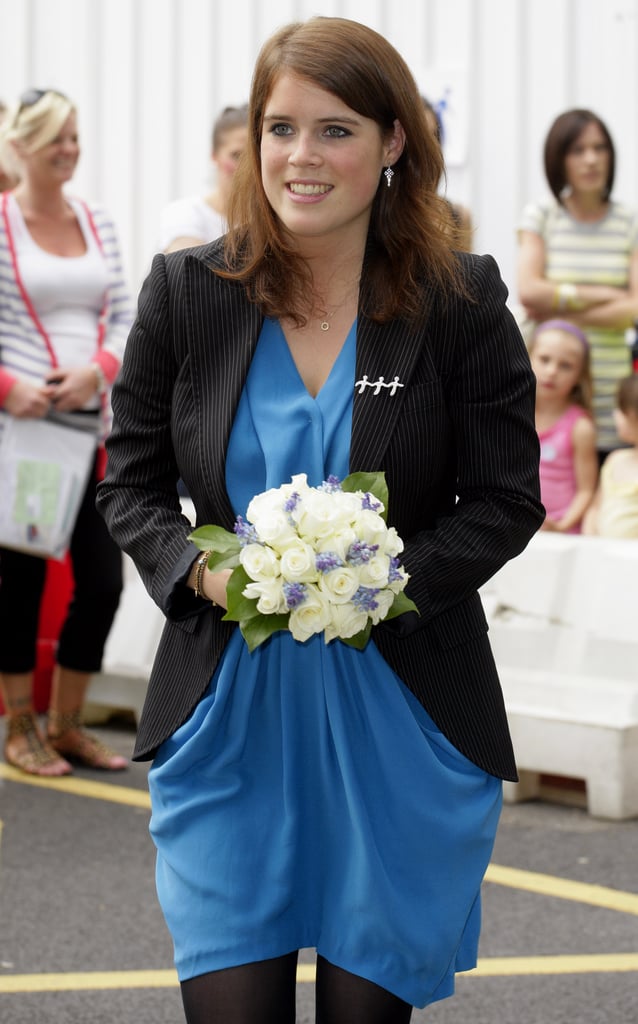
97	573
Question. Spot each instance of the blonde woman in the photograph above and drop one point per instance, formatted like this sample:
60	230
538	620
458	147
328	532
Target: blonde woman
64	316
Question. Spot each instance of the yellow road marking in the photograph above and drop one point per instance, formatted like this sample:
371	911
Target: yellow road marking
564	889
80	787
604	963
515	878
587	963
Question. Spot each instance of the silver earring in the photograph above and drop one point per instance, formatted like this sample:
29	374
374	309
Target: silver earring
389	175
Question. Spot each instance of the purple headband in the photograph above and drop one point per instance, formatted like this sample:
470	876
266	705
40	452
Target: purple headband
562	325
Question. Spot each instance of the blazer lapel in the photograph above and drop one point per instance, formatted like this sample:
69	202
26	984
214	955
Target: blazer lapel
224	329
386	356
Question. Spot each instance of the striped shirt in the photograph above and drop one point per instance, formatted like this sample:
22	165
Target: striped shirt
596	253
25	349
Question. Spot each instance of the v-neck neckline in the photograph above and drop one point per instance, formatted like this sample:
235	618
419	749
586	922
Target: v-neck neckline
333	369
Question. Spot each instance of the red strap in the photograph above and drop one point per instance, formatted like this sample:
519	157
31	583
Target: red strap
23	292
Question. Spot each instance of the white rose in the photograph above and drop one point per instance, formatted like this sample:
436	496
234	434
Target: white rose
320	514
339	584
339	542
269	596
264	503
261	563
345	621
275	529
384	601
298	563
369	527
393	545
375	572
310	617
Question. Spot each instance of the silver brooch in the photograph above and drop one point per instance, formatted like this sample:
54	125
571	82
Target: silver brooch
376	385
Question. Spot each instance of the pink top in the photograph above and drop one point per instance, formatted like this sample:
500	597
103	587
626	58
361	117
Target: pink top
557	474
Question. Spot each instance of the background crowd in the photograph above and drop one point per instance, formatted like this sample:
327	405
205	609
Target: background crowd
389	255
577	288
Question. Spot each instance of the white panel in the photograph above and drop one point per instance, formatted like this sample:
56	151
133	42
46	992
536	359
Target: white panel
196	101
543	95
149	77
14	49
154	105
606	80
117	178
497	131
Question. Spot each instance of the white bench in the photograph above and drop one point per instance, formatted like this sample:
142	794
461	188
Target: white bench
563	626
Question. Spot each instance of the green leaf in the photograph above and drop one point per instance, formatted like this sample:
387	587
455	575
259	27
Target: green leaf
240	608
372	482
216	538
359	640
255	631
400	605
216	562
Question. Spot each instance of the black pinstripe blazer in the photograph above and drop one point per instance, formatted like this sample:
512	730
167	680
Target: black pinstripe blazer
457	443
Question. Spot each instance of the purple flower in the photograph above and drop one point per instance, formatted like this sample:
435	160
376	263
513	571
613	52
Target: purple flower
394	572
332	484
291	503
369	502
325	561
246	532
364	599
294	593
359	552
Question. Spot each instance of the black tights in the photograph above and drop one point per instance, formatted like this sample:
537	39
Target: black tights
264	993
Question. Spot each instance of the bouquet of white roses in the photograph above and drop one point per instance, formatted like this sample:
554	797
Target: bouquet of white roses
312	560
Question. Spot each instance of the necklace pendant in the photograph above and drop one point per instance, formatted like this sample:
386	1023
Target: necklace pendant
325	325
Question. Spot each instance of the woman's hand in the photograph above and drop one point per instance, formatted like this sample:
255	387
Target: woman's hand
214	584
28	401
72	387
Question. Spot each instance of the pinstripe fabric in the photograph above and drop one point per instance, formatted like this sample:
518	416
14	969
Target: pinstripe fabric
461	425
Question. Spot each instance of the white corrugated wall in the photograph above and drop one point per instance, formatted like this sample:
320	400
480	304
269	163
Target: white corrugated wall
149	76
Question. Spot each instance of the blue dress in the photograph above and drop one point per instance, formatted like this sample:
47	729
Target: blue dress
309	800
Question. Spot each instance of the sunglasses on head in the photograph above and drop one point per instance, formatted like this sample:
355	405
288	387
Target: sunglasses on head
32	96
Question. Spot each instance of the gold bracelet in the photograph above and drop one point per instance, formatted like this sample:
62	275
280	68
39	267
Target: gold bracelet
202	562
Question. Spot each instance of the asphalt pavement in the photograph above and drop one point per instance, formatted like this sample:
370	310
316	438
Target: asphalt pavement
82	938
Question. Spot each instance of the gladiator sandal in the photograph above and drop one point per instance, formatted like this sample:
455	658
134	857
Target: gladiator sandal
35	756
67	736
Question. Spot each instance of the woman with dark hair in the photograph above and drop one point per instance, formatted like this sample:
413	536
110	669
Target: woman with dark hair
578	256
312	794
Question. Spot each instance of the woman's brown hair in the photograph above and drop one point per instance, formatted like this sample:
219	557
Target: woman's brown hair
561	137
407	238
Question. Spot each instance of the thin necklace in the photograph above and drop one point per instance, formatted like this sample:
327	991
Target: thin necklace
325	323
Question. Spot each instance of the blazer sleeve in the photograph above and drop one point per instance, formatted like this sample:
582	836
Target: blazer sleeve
138	496
493	454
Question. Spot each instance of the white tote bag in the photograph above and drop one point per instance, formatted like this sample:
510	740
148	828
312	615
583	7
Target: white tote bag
44	468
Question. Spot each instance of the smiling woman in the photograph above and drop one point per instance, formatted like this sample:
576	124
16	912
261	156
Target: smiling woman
64	317
309	792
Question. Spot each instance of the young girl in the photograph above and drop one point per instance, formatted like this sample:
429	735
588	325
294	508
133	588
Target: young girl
614	512
569	466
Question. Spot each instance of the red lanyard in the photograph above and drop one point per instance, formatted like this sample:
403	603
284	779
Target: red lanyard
25	295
